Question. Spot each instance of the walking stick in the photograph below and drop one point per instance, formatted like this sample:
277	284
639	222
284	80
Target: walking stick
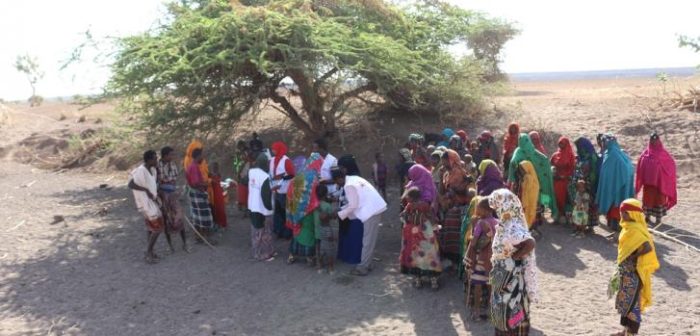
198	234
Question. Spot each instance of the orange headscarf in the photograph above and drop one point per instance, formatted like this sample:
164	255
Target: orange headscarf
203	167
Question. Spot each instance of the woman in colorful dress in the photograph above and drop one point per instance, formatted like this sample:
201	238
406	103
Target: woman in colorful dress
453	202
420	252
656	177
513	277
526	152
490	178
563	164
586	170
637	262
510	143
301	204
616	182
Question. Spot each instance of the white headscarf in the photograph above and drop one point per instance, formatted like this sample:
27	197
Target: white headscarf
512	231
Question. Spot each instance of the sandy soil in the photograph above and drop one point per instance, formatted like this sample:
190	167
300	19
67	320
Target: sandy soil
85	275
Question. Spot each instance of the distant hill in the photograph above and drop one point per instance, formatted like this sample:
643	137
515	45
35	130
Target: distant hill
602	74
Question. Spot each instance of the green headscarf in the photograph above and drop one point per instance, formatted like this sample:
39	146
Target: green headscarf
526	152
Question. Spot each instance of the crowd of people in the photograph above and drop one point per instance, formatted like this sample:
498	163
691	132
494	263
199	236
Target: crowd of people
468	209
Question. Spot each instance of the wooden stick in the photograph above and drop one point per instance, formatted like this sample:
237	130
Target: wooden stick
674	239
198	234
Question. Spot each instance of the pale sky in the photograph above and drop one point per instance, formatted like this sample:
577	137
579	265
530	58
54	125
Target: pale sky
556	36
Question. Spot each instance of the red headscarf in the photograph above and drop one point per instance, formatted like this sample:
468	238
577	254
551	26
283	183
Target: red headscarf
463	135
537	142
280	150
657	168
564	159
510	140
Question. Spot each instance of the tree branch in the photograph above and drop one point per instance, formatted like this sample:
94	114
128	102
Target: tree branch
291	112
323	78
338	103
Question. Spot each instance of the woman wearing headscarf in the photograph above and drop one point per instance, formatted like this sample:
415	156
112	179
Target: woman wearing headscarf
513	277
464	137
282	171
616	182
527	187
420	251
447	134
457	145
490	178
637	262
405	163
203	167
301	205
418	151
487	149
510	143
537	142
656	175
587	170
453	202
260	206
563	163
350	231
526	152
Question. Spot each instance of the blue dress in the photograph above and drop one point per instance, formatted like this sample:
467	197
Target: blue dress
350	241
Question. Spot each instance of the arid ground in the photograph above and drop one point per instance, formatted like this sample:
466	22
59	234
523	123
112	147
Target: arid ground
82	273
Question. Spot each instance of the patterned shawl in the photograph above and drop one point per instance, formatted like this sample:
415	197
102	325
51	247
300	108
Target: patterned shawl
512	230
301	196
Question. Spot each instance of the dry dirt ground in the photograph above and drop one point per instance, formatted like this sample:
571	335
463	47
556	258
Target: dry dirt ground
86	276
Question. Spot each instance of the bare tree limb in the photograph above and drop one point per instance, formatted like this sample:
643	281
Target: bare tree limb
350	94
323	78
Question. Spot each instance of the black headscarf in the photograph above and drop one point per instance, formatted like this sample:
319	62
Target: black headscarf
348	162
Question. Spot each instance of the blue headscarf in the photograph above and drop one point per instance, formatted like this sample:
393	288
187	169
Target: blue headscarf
447	133
616	179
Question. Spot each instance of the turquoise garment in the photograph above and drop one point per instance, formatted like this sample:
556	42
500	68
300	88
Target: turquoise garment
616	179
526	152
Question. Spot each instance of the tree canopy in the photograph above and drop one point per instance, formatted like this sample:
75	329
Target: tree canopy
212	61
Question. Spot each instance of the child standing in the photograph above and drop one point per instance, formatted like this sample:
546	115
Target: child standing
581	208
326	234
218	202
477	260
379	173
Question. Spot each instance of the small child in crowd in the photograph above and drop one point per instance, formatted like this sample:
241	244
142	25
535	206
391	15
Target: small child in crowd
379	173
420	253
477	260
327	241
581	206
218	200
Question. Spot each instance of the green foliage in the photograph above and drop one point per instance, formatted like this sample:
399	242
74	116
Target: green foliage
689	42
213	61
29	66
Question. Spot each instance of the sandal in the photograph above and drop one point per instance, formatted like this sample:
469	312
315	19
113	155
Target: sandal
291	260
418	283
434	285
151	259
358	272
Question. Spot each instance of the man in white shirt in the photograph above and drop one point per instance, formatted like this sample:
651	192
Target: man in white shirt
143	183
329	161
367	205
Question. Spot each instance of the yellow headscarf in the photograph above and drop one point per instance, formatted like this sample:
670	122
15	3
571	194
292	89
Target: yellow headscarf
485	164
635	233
530	192
203	167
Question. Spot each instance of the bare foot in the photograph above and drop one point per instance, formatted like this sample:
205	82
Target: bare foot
187	249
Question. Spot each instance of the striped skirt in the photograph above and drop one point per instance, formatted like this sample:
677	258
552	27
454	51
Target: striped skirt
200	209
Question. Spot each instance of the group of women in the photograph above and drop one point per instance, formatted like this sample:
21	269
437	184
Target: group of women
448	205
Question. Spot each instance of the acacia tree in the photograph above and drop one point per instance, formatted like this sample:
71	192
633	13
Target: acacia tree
687	41
29	66
213	61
